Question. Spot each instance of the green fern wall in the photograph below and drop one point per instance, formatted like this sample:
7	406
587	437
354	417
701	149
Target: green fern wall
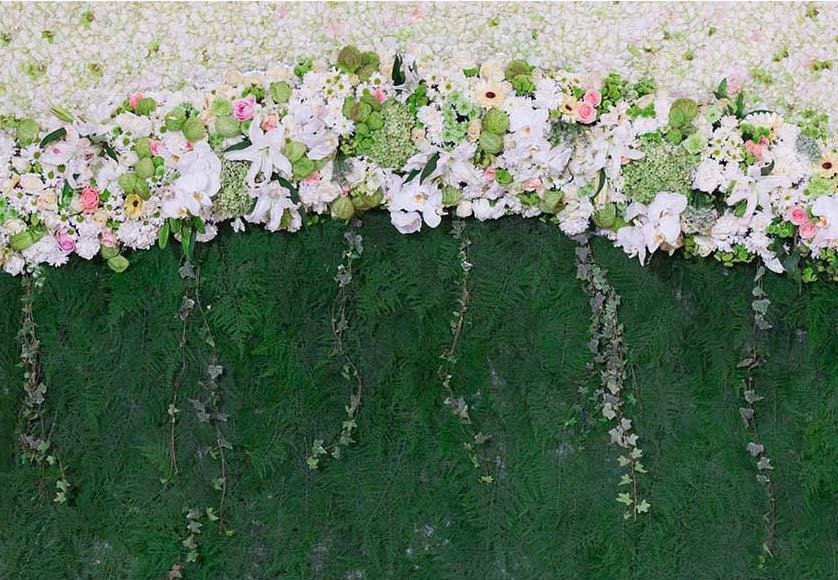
404	502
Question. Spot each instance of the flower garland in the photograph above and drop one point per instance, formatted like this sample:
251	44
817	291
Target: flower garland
300	143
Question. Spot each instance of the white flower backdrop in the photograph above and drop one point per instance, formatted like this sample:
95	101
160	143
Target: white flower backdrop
660	127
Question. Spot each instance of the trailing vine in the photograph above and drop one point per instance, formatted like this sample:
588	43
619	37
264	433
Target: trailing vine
187	305
608	347
457	404
321	448
34	438
759	305
208	408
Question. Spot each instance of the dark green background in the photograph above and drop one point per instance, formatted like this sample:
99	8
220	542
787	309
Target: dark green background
405	502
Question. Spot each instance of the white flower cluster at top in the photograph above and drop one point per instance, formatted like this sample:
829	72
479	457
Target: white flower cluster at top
73	54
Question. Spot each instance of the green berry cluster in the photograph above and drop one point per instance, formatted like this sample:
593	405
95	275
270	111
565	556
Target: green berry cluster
665	167
233	199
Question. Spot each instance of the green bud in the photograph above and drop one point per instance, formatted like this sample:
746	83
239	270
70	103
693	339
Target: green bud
342	208
349	108
471	71
349	59
375	121
503	177
144	168
365	72
21	240
516	68
118	264
280	92
175	119
523	84
496	121
695	143
682	112
302	168
606	216
303	66
128	183
227	126
552	201
27	132
364	111
363	202
194	130
451	195
295	151
221	107
142	147
371	101
491	143
142	189
108	253
146	106
62	113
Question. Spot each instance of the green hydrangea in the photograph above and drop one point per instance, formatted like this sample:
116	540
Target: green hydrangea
457	113
819	186
665	167
233	199
391	145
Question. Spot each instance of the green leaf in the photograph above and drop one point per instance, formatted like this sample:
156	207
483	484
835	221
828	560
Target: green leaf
199	225
243	144
163	236
429	168
767	169
397	73
109	151
67	193
54	136
411	176
721	91
601	182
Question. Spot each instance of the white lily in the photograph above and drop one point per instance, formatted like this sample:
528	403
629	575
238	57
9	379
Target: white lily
272	201
265	154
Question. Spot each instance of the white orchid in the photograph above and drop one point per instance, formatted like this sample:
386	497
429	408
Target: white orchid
412	203
659	223
265	154
199	181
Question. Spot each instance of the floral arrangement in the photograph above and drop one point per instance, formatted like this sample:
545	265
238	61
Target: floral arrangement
303	142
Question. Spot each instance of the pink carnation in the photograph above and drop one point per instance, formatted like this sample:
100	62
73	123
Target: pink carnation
269	122
490	173
89	199
243	108
379	95
593	98
586	113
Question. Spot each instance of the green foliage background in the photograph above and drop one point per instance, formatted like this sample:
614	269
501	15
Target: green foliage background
405	502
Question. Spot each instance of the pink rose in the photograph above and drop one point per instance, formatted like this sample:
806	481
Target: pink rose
108	238
798	216
65	242
532	185
808	230
89	199
312	179
269	122
593	98
754	149
586	113
243	108
490	173
379	95
134	98
155	147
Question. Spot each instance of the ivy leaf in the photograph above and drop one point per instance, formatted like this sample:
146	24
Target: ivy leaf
243	144
429	168
54	136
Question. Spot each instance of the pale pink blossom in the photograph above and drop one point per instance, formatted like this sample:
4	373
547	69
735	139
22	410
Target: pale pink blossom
65	242
586	113
797	216
593	98
808	230
243	108
134	99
